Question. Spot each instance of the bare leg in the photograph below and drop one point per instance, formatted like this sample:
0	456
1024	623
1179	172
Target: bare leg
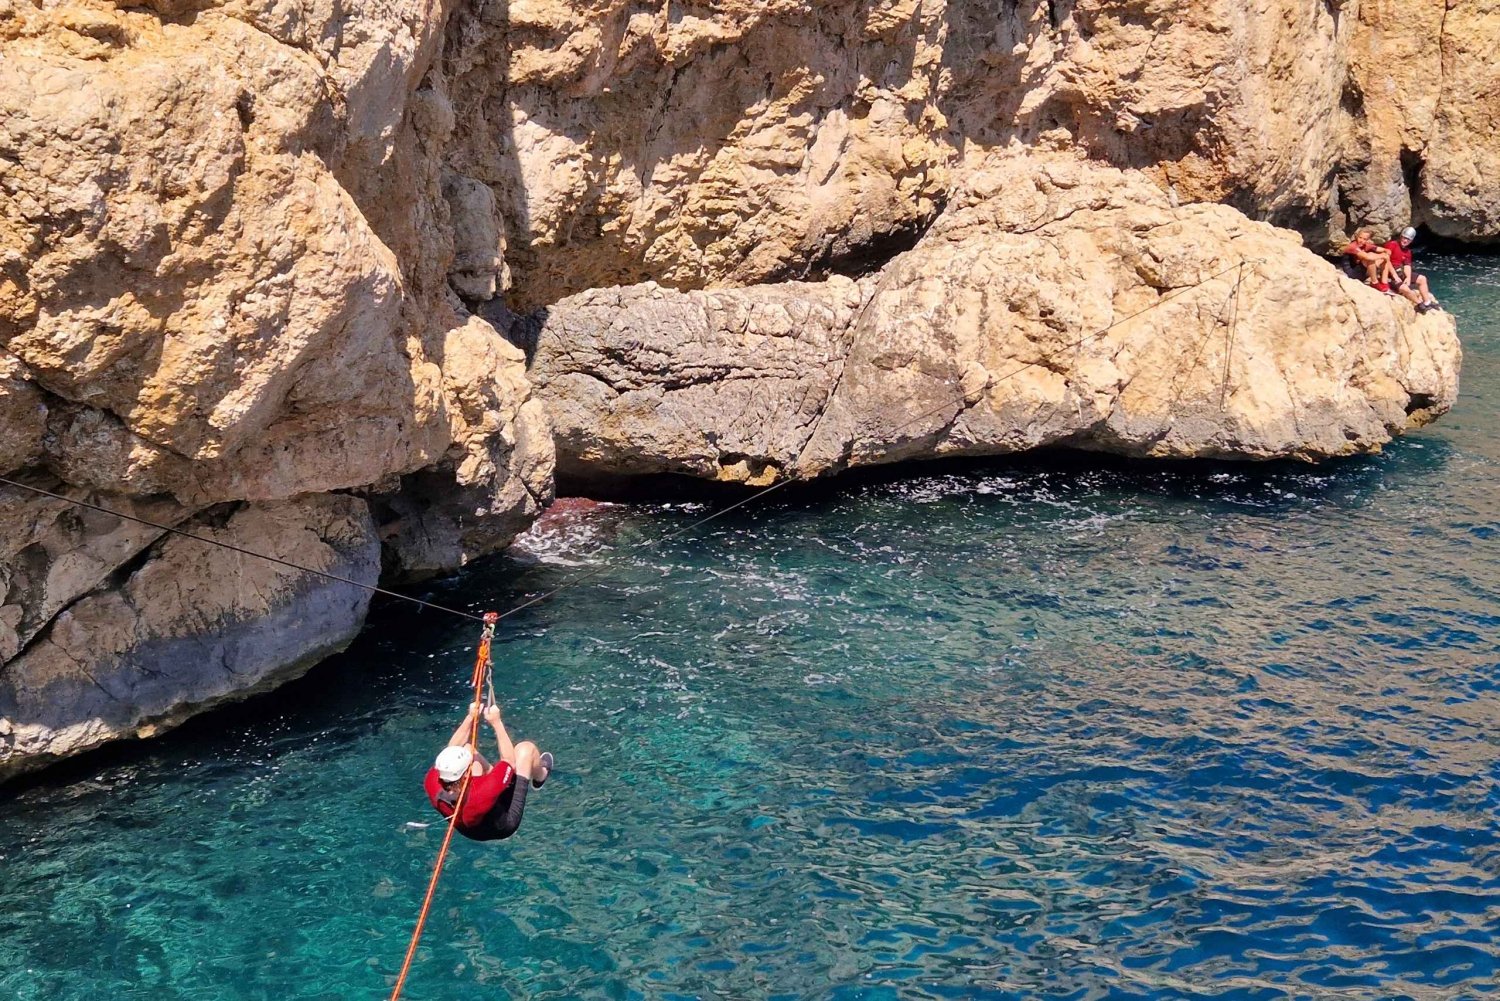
529	763
1421	283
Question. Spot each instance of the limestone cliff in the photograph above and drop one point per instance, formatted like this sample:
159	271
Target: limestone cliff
253	257
225	240
730	143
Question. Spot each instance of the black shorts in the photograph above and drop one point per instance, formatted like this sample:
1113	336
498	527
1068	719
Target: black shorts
505	816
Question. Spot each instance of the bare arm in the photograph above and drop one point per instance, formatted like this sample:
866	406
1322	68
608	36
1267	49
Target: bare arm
502	738
461	736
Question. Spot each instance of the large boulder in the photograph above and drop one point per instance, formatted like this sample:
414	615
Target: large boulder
495	479
191	286
200	287
1056	303
190	627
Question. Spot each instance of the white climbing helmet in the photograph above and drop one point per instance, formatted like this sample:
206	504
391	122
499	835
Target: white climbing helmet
1408	234
452	762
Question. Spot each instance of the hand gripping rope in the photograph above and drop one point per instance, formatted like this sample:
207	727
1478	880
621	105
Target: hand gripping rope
481	678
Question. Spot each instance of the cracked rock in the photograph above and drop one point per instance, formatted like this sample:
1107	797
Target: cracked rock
191	627
1071	306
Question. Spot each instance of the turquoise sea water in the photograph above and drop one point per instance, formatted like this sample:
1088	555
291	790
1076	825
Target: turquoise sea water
1051	729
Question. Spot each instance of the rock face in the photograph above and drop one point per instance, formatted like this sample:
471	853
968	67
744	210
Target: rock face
199	294
1422	139
152	650
54	553
255	257
225	250
204	307
497	476
1055	304
725	144
724	385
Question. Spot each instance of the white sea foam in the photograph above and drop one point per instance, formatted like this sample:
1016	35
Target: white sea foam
568	541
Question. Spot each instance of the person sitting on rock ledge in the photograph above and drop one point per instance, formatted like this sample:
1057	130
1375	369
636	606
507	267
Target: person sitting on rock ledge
497	793
1361	253
1408	283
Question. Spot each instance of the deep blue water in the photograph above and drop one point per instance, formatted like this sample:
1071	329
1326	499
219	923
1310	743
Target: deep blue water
1038	729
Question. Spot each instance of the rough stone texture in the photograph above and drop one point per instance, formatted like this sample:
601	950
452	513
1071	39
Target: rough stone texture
1420	140
225	257
696	143
183	272
1458	183
187	276
52	552
23	415
981	340
724	385
501	463
479	269
134	659
201	295
710	145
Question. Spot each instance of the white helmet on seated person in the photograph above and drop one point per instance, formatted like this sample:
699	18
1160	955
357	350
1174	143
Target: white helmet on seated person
1408	234
452	762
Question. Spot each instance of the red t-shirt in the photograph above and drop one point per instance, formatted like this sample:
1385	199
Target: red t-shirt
483	792
1400	256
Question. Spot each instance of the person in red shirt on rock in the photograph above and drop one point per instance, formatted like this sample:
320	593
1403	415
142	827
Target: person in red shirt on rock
1376	261
497	793
1413	286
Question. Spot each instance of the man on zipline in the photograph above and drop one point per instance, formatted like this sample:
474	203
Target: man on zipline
497	793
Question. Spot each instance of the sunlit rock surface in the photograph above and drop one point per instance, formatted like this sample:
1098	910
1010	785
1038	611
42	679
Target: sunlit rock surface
1056	303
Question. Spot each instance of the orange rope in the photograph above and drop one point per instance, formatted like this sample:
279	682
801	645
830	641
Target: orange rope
481	672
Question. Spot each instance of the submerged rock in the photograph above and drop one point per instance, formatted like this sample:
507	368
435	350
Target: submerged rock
1056	303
